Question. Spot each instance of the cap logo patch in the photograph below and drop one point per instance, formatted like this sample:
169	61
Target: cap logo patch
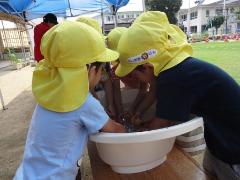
143	56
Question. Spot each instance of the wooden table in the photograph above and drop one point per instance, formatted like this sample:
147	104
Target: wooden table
178	166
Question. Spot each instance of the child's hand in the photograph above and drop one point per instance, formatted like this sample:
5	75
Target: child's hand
113	127
127	115
120	128
136	120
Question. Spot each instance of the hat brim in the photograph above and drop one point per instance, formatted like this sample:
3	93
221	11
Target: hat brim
122	70
108	56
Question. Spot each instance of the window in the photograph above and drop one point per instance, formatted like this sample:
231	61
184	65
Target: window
232	10
109	18
193	29
238	27
207	13
185	29
193	15
184	17
204	28
219	12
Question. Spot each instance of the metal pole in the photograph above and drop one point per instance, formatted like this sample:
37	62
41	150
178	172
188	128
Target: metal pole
225	15
102	17
114	13
115	20
1	97
21	40
69	5
5	38
4	32
29	41
188	19
144	6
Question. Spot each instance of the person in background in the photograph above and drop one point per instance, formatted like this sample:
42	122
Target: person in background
186	85
66	112
49	20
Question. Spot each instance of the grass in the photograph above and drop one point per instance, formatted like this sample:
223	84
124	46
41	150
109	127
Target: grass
225	55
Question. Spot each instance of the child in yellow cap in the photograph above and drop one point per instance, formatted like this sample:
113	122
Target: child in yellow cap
144	98
153	51
105	80
66	112
177	36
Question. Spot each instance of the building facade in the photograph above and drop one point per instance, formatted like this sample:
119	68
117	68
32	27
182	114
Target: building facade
123	19
196	19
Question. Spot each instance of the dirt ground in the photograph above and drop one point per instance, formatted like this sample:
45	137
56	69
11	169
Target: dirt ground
16	90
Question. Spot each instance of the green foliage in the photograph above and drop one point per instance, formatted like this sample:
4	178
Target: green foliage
205	35
237	13
12	56
170	7
216	22
199	37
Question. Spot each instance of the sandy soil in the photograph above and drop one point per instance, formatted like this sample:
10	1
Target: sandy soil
16	89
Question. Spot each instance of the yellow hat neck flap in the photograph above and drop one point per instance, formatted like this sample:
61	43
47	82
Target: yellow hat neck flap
151	39
60	81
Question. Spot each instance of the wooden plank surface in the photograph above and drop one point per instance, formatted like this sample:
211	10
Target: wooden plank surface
178	166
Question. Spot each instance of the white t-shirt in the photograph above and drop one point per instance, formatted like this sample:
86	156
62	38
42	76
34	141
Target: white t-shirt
56	141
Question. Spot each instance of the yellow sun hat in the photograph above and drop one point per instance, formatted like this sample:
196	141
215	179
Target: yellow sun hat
91	22
114	36
159	17
60	81
152	42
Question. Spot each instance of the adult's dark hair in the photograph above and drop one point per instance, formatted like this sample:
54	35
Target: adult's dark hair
50	18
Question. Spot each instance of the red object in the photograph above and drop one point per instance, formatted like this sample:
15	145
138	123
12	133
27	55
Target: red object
225	39
39	31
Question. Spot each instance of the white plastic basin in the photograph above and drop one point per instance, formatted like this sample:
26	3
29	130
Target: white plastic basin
139	151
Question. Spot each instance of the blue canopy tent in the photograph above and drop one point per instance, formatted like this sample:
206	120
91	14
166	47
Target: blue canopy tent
14	7
31	9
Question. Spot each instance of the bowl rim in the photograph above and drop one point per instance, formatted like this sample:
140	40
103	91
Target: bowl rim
147	136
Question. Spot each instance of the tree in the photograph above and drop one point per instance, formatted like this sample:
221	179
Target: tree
170	7
216	22
237	13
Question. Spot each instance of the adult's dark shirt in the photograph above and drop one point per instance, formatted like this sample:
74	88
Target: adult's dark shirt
197	87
